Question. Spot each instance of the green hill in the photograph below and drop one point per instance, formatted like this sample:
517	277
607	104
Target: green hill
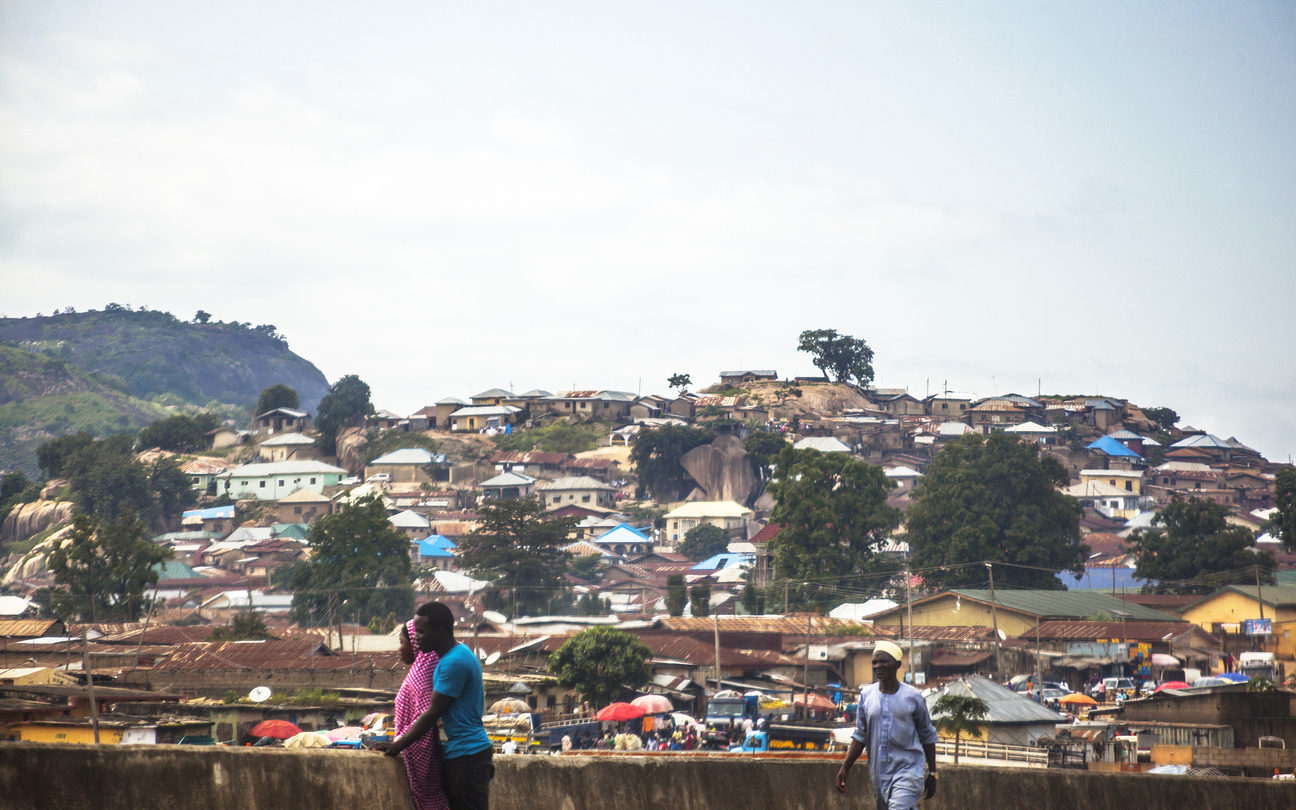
118	370
154	353
42	398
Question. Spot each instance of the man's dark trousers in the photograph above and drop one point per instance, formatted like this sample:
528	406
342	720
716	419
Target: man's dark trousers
467	780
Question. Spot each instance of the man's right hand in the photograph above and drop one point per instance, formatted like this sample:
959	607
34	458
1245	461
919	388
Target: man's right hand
841	780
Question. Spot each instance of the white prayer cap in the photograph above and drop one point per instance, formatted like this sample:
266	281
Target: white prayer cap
890	648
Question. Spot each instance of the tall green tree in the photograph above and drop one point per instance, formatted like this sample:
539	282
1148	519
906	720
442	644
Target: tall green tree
1284	522
107	481
994	499
600	663
959	715
842	357
703	541
675	594
245	626
834	517
358	569
102	570
519	549
54	455
179	434
680	382
1164	418
171	488
656	458
345	405
279	395
1191	548
762	447
700	599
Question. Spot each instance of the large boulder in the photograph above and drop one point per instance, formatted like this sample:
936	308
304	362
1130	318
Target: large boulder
29	519
722	470
351	443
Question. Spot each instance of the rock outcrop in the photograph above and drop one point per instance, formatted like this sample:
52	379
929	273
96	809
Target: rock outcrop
351	443
722	470
29	519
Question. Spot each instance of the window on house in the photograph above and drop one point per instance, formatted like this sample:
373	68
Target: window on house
1129	486
296	510
281	483
584	499
262	484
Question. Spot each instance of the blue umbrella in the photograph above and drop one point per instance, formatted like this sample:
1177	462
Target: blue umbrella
1235	677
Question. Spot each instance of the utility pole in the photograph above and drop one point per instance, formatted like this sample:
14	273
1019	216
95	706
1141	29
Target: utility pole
994	617
1259	601
85	667
805	674
715	621
909	610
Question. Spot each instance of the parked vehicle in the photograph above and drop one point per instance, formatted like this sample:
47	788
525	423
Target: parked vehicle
779	737
1256	664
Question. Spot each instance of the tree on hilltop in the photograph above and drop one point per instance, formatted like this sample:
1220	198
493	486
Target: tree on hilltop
278	395
838	356
345	405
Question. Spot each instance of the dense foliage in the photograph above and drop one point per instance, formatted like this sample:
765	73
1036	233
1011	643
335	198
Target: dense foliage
959	715
179	434
102	570
676	594
520	550
762	447
703	541
1284	522
359	568
1192	548
833	515
278	395
560	437
597	662
994	499
345	405
841	357
656	458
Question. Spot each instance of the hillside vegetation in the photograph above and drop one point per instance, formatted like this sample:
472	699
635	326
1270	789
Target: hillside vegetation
42	398
154	353
118	370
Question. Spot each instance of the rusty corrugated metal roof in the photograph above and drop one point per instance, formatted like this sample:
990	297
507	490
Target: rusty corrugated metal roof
29	628
791	625
288	654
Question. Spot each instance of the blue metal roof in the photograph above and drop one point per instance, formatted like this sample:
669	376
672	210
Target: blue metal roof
1112	447
722	561
623	534
436	545
211	513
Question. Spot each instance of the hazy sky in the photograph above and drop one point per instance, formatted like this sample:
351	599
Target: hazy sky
1077	198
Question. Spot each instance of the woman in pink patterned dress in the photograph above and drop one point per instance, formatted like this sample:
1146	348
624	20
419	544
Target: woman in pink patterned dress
422	758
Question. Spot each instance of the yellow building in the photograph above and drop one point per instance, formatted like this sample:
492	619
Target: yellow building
80	732
1228	607
1124	480
1015	611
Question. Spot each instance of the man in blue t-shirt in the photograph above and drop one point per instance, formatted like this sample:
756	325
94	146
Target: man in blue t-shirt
458	701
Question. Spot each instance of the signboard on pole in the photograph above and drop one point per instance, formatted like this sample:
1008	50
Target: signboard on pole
1257	627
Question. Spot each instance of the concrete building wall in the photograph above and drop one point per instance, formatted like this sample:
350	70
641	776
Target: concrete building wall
140	777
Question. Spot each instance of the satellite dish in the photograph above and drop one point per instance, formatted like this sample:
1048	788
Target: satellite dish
492	658
481	654
494	617
259	695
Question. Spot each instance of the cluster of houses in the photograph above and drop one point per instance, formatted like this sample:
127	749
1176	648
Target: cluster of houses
1122	471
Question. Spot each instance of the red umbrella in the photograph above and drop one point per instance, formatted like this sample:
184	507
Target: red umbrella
275	729
818	703
653	704
619	712
1172	685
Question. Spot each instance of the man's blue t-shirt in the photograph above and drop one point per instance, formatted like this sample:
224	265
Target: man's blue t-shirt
459	676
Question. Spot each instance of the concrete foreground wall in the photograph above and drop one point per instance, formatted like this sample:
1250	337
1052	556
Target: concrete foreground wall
37	777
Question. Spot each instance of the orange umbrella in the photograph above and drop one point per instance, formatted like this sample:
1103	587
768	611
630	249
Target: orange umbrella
275	729
817	703
619	712
1077	699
